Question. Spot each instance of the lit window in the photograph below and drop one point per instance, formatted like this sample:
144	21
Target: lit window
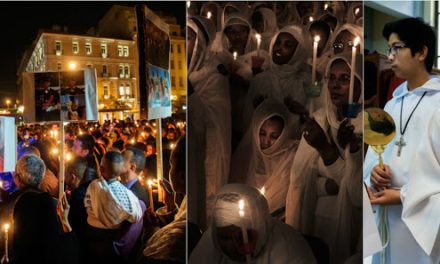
125	51
128	91
122	90
127	71
121	71
75	47
104	50
106	94
120	52
88	48
58	49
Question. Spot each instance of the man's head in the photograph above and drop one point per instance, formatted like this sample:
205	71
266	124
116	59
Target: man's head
75	171
134	163
178	166
83	145
29	172
112	165
413	37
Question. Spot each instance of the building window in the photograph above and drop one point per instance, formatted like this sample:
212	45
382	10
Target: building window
104	50
59	66
180	82
58	48
172	65
125	51
179	63
173	81
178	49
127	71
104	70
128	91
121	71
106	91
122	90
88	48
75	47
171	47
120	52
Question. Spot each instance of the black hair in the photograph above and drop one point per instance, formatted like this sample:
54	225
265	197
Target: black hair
137	158
416	34
278	119
178	155
321	25
87	142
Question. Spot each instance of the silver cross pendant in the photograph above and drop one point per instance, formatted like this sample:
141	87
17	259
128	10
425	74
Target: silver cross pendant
401	143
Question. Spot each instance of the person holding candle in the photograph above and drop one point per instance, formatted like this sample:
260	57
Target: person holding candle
269	240
216	14
264	156
287	75
343	39
264	22
408	188
35	233
323	53
322	190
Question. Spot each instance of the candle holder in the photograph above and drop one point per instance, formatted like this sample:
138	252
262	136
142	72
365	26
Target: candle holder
352	110
313	89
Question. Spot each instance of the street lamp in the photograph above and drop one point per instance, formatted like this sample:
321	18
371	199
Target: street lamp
8	102
72	65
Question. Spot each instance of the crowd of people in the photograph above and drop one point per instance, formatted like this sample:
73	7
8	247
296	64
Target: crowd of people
113	210
272	107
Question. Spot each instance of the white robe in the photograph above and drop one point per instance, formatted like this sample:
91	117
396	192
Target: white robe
403	247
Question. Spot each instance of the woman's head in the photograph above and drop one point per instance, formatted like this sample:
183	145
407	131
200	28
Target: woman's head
339	83
321	29
284	47
270	131
237	36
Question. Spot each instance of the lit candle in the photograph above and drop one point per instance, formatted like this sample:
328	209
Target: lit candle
143	134
6	229
55	151
258	37
150	193
132	141
262	190
188	4
325	6
234	55
68	156
356	11
315	56
353	67
208	15
243	230
311	19
1	184
172	146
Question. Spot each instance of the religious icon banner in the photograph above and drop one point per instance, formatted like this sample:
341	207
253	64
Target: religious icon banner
60	96
157	50
8	135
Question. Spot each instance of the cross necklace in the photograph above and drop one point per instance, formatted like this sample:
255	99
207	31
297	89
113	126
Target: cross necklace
401	143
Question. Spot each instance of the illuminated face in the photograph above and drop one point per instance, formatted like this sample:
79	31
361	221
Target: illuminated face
284	48
78	149
238	37
339	84
270	131
344	42
403	63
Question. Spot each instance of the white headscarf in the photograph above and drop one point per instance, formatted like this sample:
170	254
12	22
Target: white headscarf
201	47
270	26
276	242
351	17
213	7
353	29
239	7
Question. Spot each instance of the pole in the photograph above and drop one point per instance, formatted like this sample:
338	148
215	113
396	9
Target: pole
61	172
159	157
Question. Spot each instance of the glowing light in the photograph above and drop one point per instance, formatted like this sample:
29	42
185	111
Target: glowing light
132	141
188	4
6	227
150	183
208	15
356	41
172	146
317	38
143	134
72	66
262	190
68	156
235	55
356	11
325	6
55	151
311	19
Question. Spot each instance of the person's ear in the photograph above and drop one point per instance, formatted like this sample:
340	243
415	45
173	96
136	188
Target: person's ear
422	54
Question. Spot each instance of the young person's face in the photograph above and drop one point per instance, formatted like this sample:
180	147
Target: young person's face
238	37
284	48
339	84
403	63
270	131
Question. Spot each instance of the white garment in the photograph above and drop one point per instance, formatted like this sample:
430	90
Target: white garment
284	80
269	168
277	242
309	208
214	8
403	247
270	26
210	130
109	204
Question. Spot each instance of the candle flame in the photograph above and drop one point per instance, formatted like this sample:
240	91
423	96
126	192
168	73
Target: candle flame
150	183
172	146
258	37
143	134
317	38
311	19
325	6
1	184
356	41
6	227
68	156
234	55
55	151
357	11
132	141
188	4
241	204
208	15
262	190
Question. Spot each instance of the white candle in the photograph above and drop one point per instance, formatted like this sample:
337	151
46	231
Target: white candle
1	185
243	229
262	190
188	4
258	37
6	229
208	15
150	193
353	68
234	55
314	61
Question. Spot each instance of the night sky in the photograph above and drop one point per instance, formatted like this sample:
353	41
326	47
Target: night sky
21	22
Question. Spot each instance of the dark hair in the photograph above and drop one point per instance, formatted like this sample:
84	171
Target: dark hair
415	33
278	119
321	25
87	142
137	158
178	155
78	167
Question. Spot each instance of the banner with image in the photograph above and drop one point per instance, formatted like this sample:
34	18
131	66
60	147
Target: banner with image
157	50
8	143
60	96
